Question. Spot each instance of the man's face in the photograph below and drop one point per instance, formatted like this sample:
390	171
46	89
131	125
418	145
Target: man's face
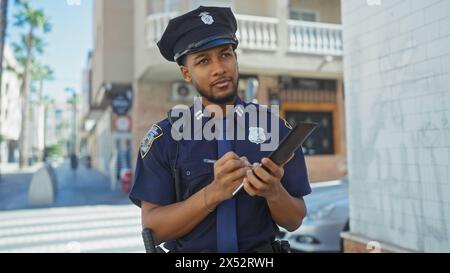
214	72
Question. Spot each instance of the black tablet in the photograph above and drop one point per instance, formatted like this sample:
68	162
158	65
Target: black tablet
288	146
290	143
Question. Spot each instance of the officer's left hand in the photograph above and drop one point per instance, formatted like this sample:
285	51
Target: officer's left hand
264	184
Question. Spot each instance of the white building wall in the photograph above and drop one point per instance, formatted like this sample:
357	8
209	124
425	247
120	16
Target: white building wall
104	143
36	130
11	115
11	102
397	78
60	129
51	137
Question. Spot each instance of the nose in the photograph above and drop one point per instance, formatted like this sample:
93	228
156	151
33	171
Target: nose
218	68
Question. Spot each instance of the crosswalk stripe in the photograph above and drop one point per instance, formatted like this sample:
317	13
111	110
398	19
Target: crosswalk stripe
75	229
68	226
74	234
91	246
70	218
48	212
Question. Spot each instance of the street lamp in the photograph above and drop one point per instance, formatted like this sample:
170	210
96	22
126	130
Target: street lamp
74	119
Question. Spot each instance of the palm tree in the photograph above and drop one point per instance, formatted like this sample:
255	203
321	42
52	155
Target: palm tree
3	22
41	73
47	102
33	20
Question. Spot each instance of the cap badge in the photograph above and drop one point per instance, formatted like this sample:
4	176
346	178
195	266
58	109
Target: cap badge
206	18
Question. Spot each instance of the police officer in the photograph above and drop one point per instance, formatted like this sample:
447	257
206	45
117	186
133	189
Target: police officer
208	217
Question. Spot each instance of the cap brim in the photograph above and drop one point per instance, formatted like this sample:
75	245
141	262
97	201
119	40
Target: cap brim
209	45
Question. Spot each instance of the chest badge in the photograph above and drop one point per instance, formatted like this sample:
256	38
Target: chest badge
256	135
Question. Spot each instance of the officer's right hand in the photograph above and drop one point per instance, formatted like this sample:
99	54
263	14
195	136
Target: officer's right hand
229	172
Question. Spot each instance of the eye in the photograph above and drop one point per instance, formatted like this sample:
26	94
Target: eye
203	61
226	54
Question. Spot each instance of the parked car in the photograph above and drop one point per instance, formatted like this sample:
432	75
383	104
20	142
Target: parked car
327	217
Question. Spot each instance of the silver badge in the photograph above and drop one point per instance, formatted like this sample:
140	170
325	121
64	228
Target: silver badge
256	135
206	18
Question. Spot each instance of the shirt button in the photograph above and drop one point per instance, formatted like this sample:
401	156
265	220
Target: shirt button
188	173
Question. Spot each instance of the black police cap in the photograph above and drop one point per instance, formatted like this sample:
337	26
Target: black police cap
198	30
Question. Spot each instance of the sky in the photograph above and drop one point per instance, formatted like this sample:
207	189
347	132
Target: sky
68	43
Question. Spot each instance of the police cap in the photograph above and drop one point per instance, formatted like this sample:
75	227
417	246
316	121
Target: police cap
198	30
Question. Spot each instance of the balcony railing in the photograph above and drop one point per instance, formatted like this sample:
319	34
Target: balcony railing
315	38
155	26
262	33
256	32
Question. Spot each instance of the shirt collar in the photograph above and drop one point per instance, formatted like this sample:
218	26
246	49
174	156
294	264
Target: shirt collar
198	112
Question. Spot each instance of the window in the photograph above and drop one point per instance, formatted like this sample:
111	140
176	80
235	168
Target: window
321	140
304	15
308	84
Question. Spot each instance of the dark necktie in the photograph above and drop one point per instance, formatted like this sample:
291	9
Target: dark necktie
226	211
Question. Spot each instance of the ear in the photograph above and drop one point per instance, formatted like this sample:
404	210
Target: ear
185	73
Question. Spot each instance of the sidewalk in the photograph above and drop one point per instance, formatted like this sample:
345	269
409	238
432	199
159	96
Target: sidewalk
85	217
80	188
14	184
13	168
86	187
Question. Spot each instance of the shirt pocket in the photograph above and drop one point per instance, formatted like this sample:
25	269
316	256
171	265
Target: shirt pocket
194	176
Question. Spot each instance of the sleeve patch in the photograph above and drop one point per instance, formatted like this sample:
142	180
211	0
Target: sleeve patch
154	133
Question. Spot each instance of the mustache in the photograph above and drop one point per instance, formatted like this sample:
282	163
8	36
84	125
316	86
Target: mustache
221	80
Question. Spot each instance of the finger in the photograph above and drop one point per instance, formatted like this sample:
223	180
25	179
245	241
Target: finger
232	165
254	166
255	182
245	160
275	170
249	188
236	175
225	158
264	176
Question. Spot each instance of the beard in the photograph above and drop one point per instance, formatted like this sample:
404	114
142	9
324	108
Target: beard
211	97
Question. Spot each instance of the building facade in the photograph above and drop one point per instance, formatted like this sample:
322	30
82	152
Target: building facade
397	75
10	110
36	129
107	93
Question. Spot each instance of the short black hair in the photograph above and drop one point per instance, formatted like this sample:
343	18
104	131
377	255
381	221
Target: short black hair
182	61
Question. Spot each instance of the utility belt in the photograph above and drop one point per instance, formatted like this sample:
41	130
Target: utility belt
277	246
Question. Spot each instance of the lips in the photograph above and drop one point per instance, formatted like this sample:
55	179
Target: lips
222	83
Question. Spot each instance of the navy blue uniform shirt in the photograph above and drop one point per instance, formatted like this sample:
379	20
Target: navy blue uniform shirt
154	183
